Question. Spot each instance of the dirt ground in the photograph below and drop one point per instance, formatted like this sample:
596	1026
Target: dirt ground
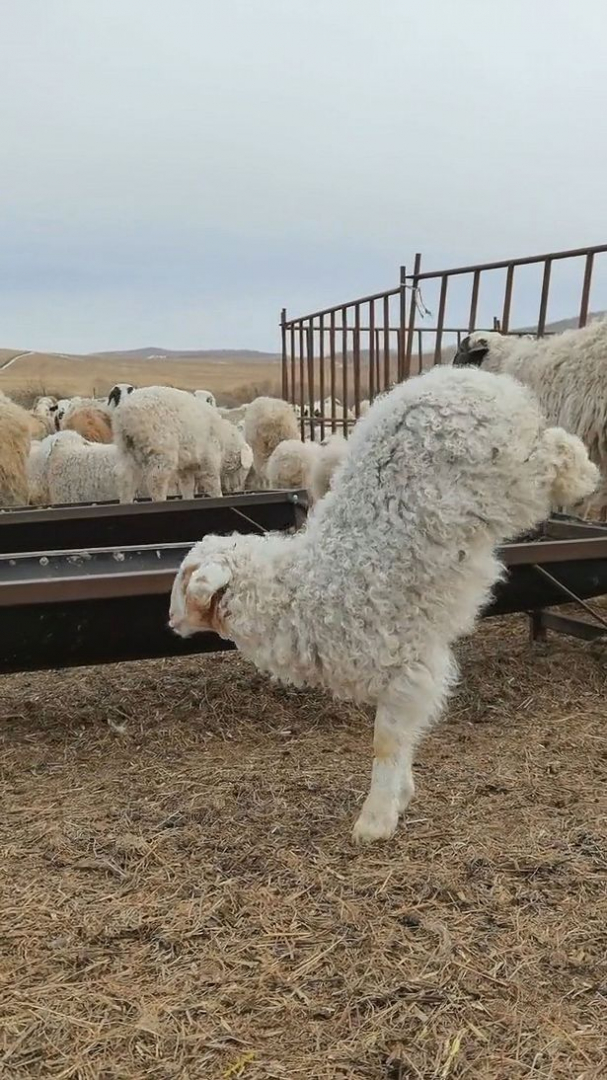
180	898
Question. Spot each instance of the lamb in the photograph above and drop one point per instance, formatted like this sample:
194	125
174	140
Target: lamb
165	435
94	424
77	471
268	422
395	562
15	425
206	395
41	417
332	453
291	464
567	372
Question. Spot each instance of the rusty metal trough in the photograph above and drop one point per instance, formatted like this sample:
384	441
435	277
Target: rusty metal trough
107	600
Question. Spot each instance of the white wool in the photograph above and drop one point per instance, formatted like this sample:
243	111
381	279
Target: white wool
291	463
396	560
268	422
567	372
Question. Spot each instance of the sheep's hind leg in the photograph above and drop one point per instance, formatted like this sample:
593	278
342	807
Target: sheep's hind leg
404	711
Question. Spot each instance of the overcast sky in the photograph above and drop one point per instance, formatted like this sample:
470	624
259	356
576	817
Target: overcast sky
174	171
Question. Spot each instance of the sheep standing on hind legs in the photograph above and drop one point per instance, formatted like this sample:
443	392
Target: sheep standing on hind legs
567	372
395	562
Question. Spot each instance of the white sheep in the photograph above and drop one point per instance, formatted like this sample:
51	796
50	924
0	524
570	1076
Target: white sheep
206	395
235	416
395	562
236	458
567	372
15	441
332	452
167	436
268	422
72	470
291	464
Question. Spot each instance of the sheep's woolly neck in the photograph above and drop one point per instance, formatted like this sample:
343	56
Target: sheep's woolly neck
568	373
397	559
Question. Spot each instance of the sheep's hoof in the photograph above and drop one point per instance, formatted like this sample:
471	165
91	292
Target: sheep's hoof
375	825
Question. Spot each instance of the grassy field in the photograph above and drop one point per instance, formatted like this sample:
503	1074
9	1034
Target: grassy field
180	899
231	380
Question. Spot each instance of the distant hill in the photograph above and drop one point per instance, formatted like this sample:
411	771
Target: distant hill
563	324
222	356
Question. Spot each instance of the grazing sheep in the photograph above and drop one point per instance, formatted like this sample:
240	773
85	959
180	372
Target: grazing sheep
268	422
235	416
567	372
291	464
78	471
206	395
15	440
236	458
395	562
332	453
167	436
92	423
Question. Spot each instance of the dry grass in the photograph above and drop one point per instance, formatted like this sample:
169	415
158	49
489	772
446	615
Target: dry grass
181	899
231	381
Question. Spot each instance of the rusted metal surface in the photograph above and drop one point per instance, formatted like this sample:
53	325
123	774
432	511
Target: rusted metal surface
388	321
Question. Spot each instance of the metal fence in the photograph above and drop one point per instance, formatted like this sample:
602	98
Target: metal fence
335	359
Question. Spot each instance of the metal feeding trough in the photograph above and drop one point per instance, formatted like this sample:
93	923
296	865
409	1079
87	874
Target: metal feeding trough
107	601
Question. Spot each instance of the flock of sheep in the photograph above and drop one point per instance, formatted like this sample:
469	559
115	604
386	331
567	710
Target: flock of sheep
155	442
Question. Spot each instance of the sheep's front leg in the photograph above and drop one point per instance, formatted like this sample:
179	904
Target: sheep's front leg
404	710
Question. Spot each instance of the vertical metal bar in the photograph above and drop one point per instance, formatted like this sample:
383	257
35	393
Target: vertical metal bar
321	355
356	359
292	349
413	305
332	361
441	319
371	350
420	351
310	359
541	322
302	388
283	342
402	326
377	359
386	342
507	299
583	317
476	280
344	357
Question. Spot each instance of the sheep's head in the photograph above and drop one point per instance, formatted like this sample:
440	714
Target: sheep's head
118	392
200	587
207	396
474	349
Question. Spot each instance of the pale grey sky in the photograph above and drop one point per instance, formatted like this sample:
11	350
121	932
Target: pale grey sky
174	171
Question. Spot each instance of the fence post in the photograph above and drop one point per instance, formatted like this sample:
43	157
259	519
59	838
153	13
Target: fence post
285	373
402	325
412	311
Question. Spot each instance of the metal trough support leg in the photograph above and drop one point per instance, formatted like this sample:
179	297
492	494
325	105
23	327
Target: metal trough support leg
537	629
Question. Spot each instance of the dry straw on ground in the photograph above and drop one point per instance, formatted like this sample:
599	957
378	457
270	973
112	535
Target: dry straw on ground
180	898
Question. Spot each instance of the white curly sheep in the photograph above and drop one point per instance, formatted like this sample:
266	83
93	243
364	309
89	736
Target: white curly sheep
167	436
567	372
332	452
291	464
268	422
206	395
395	562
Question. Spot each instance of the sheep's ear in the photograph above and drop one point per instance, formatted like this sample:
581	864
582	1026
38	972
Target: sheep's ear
113	396
203	588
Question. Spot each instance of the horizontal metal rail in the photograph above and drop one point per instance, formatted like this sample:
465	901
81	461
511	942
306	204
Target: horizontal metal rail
174	521
72	608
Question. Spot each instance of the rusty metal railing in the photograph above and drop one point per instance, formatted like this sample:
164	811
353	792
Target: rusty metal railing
335	358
